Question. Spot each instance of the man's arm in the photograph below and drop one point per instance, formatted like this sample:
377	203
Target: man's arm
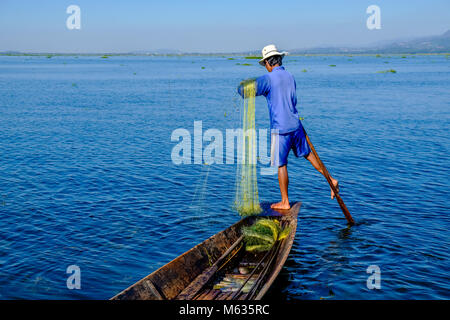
262	86
294	98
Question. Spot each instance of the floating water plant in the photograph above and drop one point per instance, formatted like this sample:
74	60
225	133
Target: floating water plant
230	59
387	71
332	65
246	197
104	57
253	57
49	56
263	234
203	67
243	64
378	55
304	70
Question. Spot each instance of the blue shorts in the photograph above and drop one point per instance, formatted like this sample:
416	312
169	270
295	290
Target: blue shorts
282	144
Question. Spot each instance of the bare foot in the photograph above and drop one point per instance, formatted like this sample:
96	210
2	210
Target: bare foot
336	185
281	205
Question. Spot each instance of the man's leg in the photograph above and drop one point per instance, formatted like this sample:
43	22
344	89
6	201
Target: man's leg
283	180
312	158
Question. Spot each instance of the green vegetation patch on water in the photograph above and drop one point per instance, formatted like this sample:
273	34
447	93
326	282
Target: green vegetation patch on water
253	57
387	71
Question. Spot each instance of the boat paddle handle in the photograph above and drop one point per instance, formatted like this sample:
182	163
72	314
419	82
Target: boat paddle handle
344	209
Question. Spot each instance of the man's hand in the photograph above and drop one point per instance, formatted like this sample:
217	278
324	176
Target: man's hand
242	84
247	81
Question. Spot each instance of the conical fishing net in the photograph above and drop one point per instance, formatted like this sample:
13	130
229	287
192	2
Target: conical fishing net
247	199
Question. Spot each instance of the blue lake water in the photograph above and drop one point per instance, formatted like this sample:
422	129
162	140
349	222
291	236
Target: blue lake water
86	176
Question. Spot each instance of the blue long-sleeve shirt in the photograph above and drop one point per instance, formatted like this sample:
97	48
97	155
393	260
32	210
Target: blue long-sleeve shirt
279	88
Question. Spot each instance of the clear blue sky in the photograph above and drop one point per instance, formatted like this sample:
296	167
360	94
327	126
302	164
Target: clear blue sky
211	25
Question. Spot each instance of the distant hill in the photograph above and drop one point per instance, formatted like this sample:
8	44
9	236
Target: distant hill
432	44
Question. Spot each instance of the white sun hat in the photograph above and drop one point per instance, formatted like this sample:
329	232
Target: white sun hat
269	51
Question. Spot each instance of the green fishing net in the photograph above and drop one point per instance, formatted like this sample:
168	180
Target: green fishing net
247	199
262	235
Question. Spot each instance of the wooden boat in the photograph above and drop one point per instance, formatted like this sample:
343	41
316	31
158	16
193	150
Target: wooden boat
203	272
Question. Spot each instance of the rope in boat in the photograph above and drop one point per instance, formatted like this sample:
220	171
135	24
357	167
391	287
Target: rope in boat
249	277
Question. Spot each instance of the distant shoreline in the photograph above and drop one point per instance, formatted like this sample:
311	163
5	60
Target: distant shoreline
213	54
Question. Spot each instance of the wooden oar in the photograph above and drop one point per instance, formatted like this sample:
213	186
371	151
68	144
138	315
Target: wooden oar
327	176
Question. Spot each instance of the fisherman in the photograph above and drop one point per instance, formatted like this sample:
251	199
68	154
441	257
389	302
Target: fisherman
279	88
